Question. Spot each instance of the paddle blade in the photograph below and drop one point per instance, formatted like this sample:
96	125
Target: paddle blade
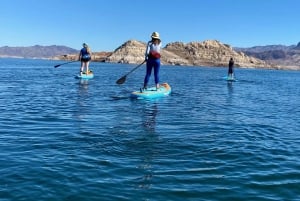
121	80
56	66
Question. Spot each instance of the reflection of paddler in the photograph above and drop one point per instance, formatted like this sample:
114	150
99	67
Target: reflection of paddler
150	117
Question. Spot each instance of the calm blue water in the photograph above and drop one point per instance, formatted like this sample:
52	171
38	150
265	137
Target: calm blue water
62	139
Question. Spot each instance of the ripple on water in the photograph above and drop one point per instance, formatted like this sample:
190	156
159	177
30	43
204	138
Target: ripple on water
209	140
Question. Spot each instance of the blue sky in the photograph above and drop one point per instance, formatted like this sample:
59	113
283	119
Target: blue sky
107	24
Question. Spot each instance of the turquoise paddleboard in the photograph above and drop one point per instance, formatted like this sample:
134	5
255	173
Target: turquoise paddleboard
232	79
90	75
149	93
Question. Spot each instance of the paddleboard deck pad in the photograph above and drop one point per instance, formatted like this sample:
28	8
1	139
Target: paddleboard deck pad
149	93
90	75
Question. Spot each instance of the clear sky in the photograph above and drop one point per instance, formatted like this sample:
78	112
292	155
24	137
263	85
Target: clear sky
107	24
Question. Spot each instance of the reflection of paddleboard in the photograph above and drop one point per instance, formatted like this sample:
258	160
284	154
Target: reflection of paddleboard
232	79
90	75
163	90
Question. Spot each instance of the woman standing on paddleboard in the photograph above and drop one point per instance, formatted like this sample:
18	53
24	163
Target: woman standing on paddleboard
85	56
152	56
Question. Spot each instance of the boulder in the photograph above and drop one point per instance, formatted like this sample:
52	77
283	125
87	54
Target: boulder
206	53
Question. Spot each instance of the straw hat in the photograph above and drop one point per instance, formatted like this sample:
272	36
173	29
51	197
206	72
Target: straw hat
155	35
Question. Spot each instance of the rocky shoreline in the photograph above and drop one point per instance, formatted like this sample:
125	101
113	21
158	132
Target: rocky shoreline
206	53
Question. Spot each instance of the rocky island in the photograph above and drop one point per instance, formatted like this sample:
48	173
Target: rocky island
206	53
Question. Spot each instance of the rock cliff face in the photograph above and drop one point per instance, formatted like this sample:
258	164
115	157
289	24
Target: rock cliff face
206	53
131	51
285	57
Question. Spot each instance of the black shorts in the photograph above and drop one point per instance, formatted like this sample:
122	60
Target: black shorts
85	59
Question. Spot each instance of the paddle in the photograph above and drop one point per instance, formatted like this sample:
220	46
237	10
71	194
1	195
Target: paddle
64	63
123	79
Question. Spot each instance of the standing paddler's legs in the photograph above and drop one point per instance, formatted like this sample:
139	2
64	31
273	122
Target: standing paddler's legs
87	67
156	66
148	73
81	67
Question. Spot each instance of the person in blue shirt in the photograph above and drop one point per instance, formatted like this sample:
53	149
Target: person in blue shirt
152	57
85	57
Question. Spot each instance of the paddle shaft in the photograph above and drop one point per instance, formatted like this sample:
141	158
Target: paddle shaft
64	63
123	78
135	68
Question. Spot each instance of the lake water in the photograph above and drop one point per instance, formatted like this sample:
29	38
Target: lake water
63	139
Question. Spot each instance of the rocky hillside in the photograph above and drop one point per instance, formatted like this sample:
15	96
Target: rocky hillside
287	57
207	53
36	51
131	51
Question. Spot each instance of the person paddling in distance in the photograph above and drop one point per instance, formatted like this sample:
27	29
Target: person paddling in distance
152	57
230	68
85	57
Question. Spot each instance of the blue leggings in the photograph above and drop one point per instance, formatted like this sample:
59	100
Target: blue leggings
155	64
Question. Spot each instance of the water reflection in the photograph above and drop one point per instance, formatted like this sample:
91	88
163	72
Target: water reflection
83	84
230	87
148	144
149	117
230	92
146	166
82	101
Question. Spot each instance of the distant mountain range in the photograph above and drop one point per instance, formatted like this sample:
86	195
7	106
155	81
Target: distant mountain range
36	51
277	54
287	57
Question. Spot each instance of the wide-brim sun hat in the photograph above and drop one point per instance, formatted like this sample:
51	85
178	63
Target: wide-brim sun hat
155	35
